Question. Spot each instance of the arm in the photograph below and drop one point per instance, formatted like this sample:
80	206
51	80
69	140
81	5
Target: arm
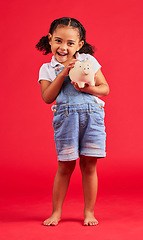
50	91
100	89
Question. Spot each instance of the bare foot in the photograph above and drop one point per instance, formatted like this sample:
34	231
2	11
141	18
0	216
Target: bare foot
90	220
53	220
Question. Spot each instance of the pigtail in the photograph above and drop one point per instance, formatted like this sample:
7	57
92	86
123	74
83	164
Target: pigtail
87	48
43	45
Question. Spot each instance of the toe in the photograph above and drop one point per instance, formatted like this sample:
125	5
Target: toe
54	223
45	223
85	223
90	223
96	222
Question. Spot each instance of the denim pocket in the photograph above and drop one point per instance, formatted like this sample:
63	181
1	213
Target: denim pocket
58	119
98	116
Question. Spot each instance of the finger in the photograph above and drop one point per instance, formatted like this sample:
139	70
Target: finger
74	60
72	63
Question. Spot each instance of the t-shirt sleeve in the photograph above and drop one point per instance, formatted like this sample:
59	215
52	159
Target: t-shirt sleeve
95	63
44	73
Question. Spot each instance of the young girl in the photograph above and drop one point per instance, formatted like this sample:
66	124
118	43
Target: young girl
78	121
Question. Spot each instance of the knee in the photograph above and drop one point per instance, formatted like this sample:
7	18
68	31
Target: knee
66	168
88	165
88	170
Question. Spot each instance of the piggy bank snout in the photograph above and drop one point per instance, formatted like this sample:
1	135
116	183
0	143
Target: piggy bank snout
86	69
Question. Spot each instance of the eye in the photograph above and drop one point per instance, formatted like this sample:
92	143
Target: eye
70	43
80	66
58	40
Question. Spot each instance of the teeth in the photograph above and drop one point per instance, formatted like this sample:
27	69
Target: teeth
62	54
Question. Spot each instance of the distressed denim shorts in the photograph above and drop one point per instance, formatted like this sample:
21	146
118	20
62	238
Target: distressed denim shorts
79	130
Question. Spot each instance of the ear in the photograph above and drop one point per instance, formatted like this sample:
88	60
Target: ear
88	61
77	63
80	45
50	37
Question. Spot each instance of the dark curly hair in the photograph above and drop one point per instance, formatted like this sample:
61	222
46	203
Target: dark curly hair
44	46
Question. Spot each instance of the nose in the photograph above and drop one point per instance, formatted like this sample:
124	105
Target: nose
63	46
86	70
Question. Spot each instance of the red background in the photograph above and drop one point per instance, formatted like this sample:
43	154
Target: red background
27	155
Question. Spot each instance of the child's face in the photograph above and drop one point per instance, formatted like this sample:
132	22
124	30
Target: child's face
65	43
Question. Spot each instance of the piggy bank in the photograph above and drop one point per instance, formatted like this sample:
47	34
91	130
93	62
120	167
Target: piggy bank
82	73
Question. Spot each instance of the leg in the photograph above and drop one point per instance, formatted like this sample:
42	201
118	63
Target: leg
90	184
60	187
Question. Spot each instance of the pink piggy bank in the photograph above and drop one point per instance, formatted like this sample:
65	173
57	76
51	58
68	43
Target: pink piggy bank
82	73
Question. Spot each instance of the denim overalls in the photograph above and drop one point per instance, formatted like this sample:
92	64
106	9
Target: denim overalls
78	123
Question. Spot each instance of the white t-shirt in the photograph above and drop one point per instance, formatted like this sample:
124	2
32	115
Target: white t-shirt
47	70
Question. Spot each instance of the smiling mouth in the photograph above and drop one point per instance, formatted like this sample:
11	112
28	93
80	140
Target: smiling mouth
61	54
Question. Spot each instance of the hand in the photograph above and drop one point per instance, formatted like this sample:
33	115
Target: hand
87	88
84	89
69	66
